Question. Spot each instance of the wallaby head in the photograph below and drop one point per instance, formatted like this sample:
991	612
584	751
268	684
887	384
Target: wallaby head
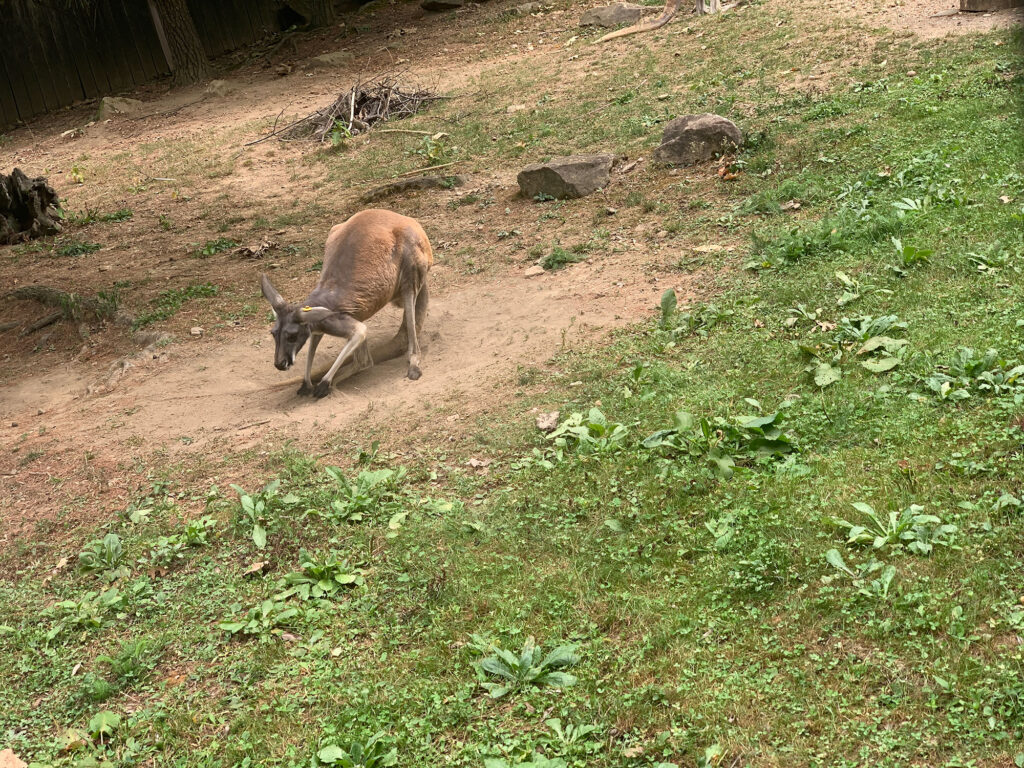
291	326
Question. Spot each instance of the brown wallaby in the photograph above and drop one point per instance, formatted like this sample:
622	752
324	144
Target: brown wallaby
374	258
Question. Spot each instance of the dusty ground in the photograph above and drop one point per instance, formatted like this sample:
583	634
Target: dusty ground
85	412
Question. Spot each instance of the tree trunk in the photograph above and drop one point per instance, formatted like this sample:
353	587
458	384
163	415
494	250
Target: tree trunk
321	13
189	59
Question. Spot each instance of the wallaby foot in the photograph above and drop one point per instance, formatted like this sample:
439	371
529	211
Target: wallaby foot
414	372
322	389
305	389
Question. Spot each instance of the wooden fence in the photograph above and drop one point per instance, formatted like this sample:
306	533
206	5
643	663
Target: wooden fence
52	56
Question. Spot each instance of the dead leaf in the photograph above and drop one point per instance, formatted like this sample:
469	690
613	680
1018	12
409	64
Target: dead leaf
758	324
791	205
260	566
77	667
632	752
1004	199
288	637
157	572
476	463
546	422
257	251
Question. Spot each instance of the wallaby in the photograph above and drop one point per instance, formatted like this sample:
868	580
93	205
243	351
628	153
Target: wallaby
374	258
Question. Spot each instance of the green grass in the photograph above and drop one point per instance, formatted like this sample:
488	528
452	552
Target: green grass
691	573
169	302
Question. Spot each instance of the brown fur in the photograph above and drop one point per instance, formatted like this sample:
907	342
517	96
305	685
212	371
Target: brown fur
375	258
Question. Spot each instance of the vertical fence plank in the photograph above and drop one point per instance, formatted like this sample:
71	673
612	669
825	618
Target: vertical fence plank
60	68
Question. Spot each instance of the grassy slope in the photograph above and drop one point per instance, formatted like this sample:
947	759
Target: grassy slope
752	642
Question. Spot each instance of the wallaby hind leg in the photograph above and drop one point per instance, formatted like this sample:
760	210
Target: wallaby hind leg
411	311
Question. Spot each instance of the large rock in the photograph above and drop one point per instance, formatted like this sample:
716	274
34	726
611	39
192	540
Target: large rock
441	5
566	177
693	139
614	15
112	106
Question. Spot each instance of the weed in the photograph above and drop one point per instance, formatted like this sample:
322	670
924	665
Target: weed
874	588
91	611
268	618
169	550
212	247
260	512
590	433
319	579
530	667
103	555
723	444
356	754
699	321
170	301
372	491
968	372
911	528
559	257
89	216
77	248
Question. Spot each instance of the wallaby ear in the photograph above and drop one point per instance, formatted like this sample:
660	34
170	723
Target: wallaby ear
270	293
314	315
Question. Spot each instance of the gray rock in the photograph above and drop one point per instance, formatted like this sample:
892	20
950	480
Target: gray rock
220	88
566	177
613	15
331	60
112	106
441	5
695	138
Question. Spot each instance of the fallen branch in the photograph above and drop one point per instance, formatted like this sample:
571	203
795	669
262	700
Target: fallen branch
431	168
4	327
43	322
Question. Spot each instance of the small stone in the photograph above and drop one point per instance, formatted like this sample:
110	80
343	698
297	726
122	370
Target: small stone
196	331
613	15
534	271
40	412
693	139
546	422
513	108
105	267
10	760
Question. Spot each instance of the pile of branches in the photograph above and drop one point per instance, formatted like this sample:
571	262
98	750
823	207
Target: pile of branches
359	109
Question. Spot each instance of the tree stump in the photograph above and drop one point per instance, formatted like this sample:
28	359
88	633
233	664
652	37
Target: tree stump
28	208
